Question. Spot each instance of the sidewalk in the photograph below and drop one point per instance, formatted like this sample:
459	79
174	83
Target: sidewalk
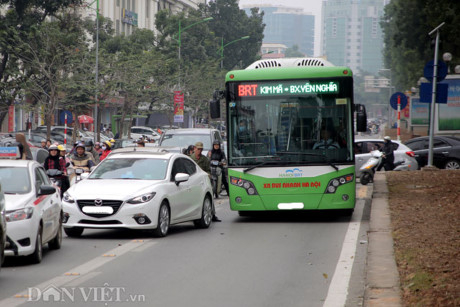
382	280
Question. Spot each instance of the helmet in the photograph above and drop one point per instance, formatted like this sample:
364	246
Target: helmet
80	144
112	141
75	144
53	147
89	143
97	143
61	148
109	145
216	142
387	138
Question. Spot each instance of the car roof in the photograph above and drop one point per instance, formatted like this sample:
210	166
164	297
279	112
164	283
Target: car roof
190	131
135	152
375	140
442	137
17	163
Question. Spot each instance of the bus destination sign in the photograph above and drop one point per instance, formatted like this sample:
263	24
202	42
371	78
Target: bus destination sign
287	88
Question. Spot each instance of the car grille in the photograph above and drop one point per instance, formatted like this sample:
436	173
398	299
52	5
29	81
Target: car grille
109	222
115	204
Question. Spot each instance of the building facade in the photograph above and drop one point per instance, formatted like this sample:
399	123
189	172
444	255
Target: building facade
128	15
288	26
351	34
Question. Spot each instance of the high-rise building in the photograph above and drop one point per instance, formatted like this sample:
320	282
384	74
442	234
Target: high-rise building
351	34
288	26
127	15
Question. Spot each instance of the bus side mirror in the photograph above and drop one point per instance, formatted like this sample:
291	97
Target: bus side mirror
361	118
214	108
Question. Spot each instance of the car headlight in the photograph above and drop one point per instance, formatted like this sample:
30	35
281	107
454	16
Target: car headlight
19	215
141	198
67	198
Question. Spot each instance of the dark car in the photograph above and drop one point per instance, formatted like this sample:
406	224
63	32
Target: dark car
446	151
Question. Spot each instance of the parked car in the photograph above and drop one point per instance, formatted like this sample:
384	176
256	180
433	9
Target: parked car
363	148
139	190
33	209
446	151
189	136
2	226
138	132
38	154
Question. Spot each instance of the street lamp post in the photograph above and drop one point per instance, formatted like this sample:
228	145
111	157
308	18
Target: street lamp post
95	111
180	42
221	49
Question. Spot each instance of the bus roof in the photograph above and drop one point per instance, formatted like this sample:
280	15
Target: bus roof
289	68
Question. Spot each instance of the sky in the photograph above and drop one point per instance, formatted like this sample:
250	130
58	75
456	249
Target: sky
309	6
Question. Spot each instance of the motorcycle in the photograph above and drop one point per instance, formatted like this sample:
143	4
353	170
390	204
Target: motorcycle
75	175
216	177
56	178
369	168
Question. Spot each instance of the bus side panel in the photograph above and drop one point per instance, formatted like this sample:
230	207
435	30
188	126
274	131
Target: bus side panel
306	193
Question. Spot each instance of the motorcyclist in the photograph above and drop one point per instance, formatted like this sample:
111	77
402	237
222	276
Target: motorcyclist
56	161
388	157
90	149
81	159
217	154
106	149
203	163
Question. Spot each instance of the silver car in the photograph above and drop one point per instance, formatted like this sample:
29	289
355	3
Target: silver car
363	147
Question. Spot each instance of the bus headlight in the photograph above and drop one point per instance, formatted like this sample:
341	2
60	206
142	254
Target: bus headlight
245	184
336	182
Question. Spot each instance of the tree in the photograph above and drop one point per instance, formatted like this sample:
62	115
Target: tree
231	23
17	18
408	47
294	52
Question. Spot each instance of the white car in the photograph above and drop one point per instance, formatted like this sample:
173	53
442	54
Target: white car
140	189
33	209
138	132
363	148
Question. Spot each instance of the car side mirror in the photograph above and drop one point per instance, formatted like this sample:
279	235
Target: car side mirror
46	190
181	177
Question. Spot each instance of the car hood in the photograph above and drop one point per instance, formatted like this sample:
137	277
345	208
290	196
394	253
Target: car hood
111	188
18	201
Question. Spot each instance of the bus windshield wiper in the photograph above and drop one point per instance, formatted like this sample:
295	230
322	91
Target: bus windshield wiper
259	165
310	154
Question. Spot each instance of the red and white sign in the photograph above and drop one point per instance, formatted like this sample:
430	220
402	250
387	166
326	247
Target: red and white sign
11	118
178	107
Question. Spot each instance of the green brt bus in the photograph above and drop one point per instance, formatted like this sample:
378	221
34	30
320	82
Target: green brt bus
290	131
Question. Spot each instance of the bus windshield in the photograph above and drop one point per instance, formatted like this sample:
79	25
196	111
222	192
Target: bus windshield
270	124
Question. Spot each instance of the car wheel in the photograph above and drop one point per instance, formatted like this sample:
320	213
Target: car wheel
74	231
163	221
56	242
452	164
37	256
206	214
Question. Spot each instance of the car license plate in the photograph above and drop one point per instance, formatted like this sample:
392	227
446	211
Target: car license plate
97	210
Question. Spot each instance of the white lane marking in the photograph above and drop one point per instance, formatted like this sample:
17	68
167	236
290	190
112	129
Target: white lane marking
73	275
338	289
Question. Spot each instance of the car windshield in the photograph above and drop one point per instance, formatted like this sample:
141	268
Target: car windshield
14	180
131	168
184	140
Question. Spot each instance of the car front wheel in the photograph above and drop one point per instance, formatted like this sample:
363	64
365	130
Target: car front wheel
57	240
163	221
452	164
37	256
206	214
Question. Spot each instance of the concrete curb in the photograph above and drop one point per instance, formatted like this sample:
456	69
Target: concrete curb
382	277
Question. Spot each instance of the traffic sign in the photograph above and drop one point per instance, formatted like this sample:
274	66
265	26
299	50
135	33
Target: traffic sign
426	92
429	69
69	117
402	100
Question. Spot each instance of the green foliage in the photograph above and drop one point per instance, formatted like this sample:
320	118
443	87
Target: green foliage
408	47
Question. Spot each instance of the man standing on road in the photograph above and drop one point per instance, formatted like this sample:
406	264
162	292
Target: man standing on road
204	164
388	155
